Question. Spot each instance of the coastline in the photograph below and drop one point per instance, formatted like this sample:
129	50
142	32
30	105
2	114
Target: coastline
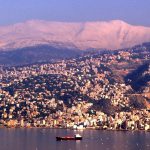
88	128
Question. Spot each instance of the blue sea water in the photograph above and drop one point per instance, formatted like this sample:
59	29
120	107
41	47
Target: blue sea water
45	139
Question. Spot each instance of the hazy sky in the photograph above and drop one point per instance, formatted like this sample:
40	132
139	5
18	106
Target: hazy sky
132	11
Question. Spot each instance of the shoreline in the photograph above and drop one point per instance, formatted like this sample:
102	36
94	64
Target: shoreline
88	128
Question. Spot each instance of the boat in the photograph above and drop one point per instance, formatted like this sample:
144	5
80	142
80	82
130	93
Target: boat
75	137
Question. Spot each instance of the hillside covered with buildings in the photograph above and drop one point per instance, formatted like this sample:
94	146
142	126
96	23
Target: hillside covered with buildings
104	90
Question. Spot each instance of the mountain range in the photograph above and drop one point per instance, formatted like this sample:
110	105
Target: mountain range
115	34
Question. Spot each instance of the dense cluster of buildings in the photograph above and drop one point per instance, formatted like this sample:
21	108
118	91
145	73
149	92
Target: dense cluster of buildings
86	92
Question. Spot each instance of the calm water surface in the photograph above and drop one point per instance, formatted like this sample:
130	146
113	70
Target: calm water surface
44	139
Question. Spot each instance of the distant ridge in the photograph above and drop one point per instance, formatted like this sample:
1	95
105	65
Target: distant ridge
36	54
113	34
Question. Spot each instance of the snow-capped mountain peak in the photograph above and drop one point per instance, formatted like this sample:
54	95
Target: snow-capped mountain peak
113	34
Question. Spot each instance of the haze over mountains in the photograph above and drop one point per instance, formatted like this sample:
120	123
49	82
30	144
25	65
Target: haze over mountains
114	34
